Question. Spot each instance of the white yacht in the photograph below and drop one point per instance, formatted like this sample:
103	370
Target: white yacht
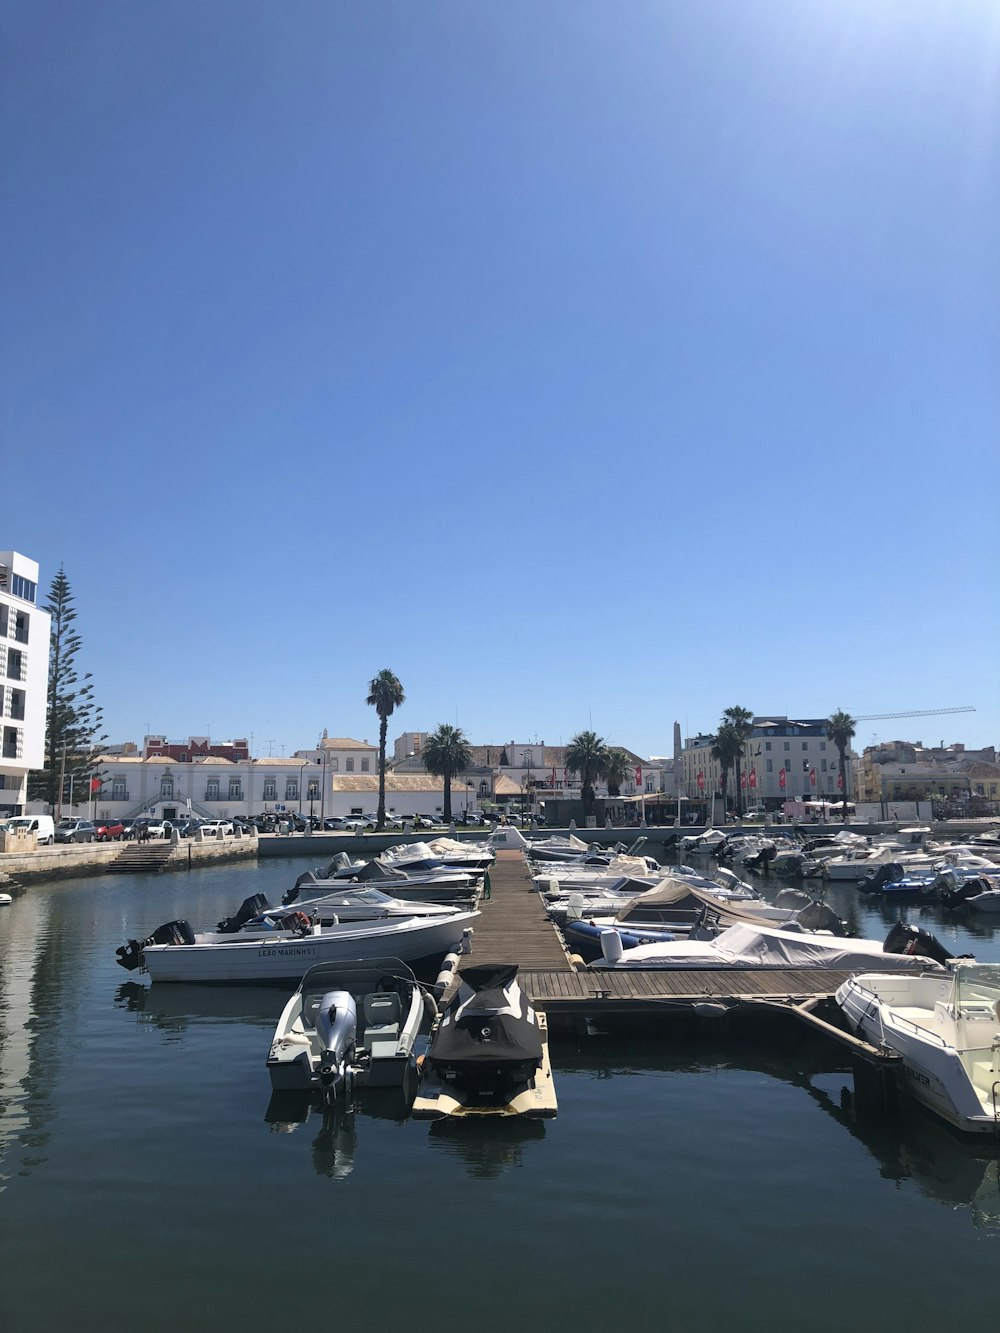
947	1031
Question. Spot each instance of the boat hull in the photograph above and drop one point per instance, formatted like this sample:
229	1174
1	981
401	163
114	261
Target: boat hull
286	960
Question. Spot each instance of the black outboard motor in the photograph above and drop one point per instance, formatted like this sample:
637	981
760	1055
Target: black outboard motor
904	938
249	908
954	895
129	955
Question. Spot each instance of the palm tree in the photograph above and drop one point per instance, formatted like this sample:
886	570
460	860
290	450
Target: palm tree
385	694
446	753
618	768
741	721
726	752
587	755
840	730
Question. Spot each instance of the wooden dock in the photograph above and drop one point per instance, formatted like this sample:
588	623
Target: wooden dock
513	928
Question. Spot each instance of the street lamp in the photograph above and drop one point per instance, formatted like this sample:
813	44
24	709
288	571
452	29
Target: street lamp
322	794
525	757
302	769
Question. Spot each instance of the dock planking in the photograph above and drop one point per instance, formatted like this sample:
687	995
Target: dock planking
513	928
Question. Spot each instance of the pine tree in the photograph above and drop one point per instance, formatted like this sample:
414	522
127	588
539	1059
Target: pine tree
73	721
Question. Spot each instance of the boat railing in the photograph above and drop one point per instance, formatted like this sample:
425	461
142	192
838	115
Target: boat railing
897	1018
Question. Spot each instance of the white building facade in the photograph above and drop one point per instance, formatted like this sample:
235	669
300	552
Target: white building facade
785	759
24	674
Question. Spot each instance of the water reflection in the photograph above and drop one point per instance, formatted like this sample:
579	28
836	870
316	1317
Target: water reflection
174	1007
335	1146
487	1148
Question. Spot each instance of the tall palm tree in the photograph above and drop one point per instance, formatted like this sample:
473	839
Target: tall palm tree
446	753
741	721
587	755
840	730
385	694
726	751
618	769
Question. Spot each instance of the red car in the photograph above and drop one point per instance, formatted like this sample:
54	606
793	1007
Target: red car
110	828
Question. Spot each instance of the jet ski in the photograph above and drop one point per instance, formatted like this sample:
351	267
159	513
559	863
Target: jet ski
488	1052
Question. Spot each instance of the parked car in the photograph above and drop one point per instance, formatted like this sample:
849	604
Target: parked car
211	827
187	828
391	822
154	828
109	830
75	830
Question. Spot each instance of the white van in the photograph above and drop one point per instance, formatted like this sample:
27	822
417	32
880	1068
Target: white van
41	825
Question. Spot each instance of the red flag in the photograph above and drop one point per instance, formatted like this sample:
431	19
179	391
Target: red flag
701	780
95	784
812	776
743	780
781	779
638	775
840	781
753	777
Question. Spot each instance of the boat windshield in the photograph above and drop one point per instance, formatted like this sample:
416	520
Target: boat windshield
977	986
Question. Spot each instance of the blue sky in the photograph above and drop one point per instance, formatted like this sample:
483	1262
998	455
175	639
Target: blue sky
583	363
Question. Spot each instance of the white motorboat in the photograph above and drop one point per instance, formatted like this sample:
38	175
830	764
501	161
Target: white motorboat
442	886
175	953
348	1022
748	945
946	1028
441	853
703	842
988	901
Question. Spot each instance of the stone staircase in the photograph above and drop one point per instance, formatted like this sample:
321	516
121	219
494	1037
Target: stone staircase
139	856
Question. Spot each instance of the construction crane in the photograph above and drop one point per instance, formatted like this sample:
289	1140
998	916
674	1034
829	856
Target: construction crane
916	712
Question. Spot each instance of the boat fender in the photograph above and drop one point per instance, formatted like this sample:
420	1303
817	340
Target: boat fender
611	946
577	963
710	1009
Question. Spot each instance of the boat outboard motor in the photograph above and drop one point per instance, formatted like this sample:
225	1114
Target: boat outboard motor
248	909
129	955
953	892
337	1025
875	880
819	916
907	939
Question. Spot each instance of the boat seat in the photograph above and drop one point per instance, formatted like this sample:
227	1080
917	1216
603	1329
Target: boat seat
383	1013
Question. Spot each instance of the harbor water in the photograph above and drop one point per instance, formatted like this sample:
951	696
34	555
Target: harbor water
693	1179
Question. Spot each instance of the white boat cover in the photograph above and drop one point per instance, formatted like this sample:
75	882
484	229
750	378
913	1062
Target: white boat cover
745	945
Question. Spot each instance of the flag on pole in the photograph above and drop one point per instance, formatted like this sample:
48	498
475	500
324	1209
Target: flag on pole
753	777
95	784
840	782
812	777
781	779
638	775
701	780
743	781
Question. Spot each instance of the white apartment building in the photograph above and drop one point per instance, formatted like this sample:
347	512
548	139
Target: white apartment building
785	759
24	674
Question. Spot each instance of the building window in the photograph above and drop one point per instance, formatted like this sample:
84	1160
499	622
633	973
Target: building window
23	588
118	792
364	765
788	745
183	756
212	790
292	789
270	789
235	791
767	745
349	766
822	745
788	766
770	765
15	661
16	703
21	627
166	789
805	745
11	736
822	764
334	765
